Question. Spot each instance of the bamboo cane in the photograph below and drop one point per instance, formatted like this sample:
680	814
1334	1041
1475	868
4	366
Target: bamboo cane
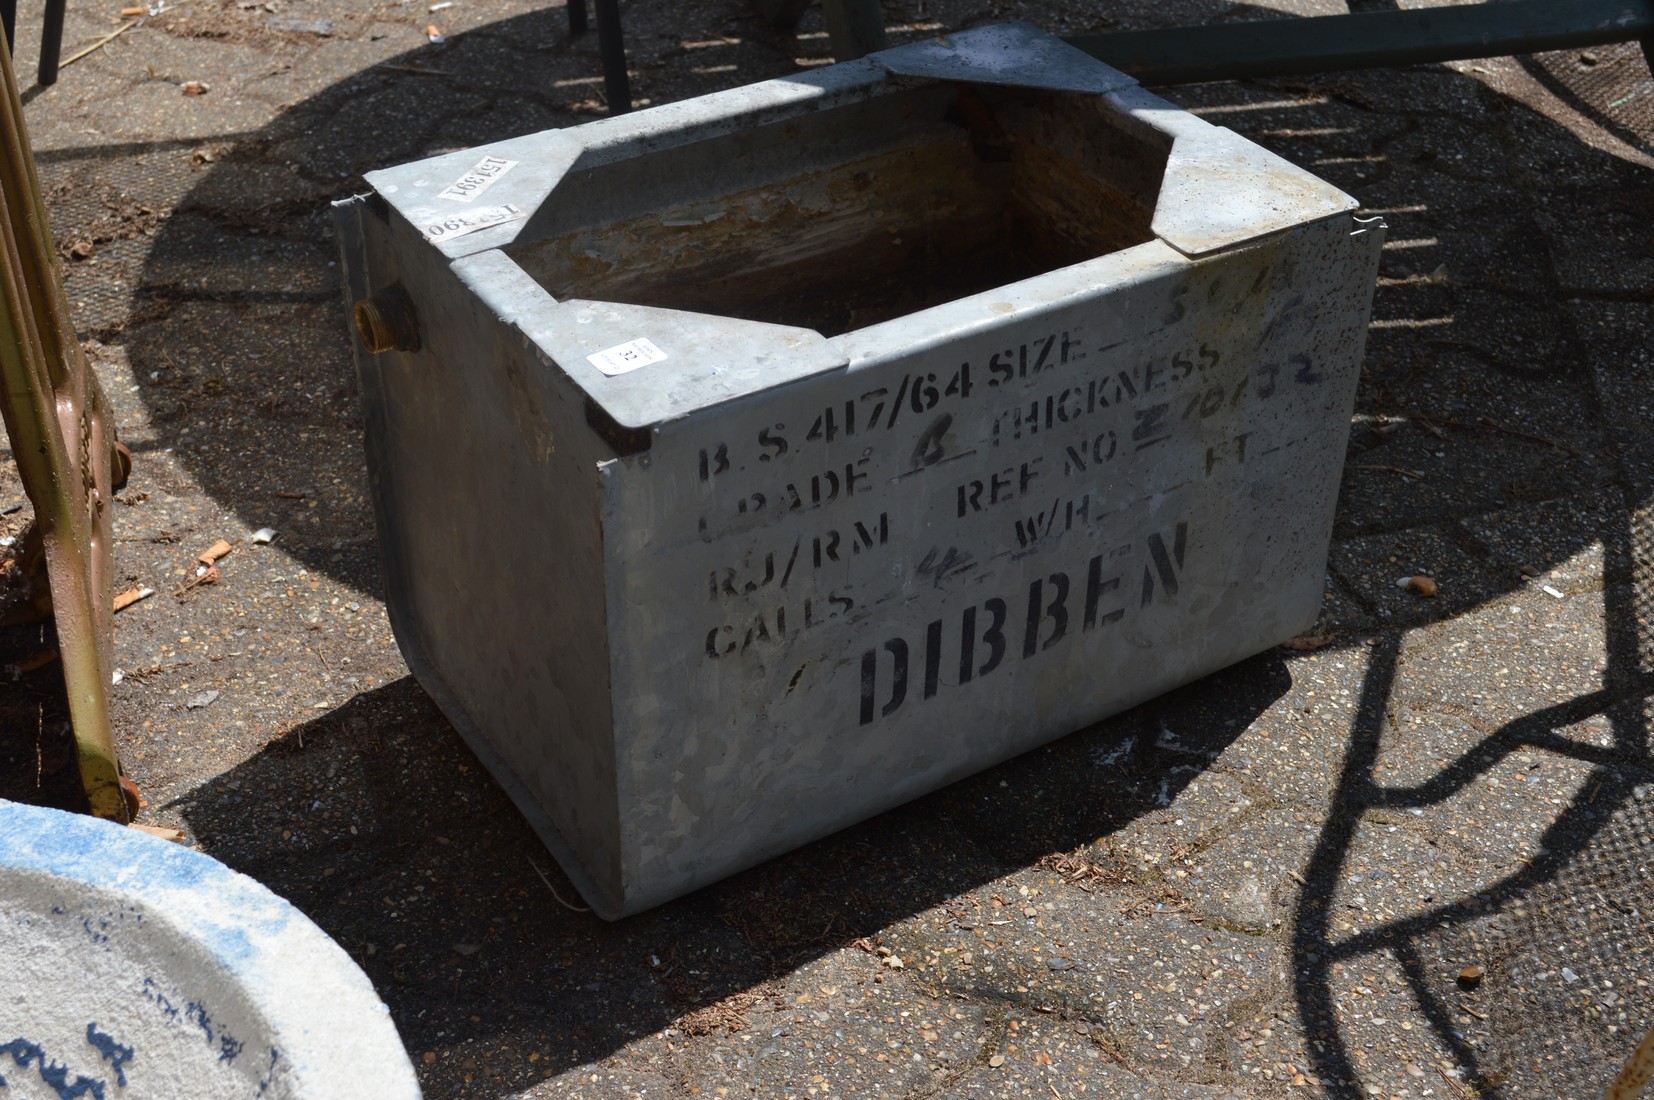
1634	1075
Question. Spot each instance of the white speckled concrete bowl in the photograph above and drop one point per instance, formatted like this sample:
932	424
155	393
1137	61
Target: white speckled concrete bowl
136	968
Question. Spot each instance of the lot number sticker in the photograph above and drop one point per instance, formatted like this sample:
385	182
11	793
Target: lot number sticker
480	178
626	357
458	225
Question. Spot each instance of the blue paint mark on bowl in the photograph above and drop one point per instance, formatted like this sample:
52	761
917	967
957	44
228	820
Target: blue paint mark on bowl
103	854
54	1075
115	1053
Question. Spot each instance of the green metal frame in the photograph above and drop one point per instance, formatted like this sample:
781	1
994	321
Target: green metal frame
1369	40
1314	44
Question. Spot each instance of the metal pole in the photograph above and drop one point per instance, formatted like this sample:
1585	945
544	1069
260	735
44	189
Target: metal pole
854	27
611	46
51	41
782	13
1368	40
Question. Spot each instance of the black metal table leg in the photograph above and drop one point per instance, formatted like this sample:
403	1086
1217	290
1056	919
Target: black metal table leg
855	27
611	46
782	13
51	40
577	17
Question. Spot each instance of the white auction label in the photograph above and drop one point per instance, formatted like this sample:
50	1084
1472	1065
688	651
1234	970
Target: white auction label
626	357
458	225
480	178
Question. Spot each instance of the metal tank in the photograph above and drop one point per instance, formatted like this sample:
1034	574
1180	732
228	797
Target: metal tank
749	465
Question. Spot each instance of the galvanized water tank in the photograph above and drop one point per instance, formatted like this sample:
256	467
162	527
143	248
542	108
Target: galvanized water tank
749	465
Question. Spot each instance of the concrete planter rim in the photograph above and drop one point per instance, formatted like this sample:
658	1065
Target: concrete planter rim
328	1034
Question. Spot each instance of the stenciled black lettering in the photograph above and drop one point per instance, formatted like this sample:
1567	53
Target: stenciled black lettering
983	649
774	444
1151	425
933	657
897	648
898	677
869	684
994	636
1164	564
1095	586
1039	611
715	463
1306	374
928	450
864	538
1266	379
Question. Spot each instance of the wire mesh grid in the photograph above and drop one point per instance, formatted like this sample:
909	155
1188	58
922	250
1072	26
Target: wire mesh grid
1613	85
1576	986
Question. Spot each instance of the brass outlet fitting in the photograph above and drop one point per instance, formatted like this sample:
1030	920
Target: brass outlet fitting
386	322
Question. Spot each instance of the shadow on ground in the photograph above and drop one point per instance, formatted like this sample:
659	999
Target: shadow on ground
424	871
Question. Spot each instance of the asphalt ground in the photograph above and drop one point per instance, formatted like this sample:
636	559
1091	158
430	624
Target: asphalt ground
1269	883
